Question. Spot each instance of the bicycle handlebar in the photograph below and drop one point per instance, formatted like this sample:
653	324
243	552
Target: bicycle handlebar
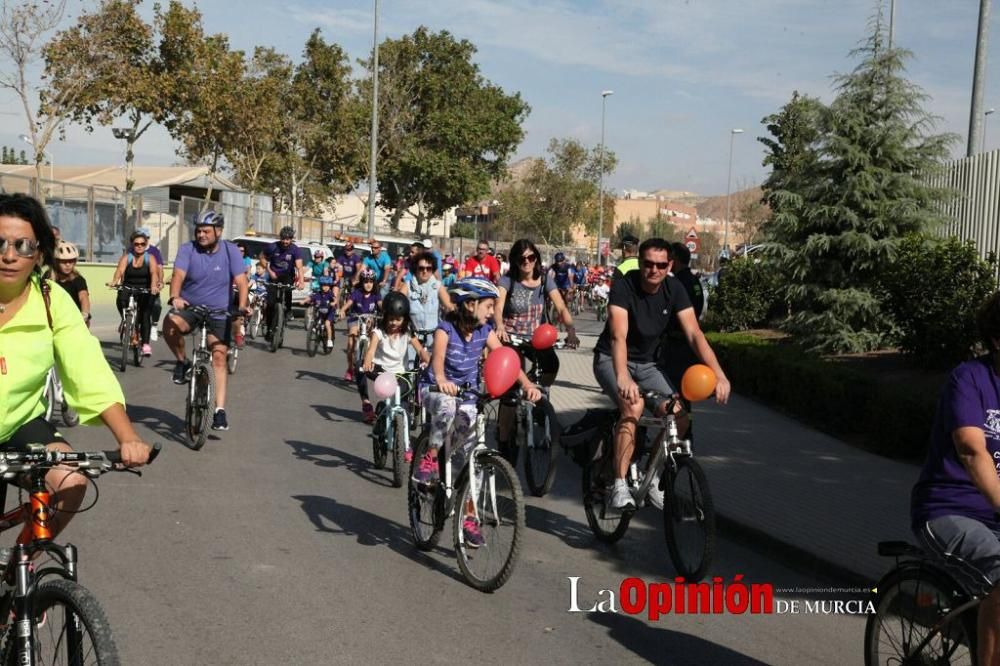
464	389
522	341
134	290
94	463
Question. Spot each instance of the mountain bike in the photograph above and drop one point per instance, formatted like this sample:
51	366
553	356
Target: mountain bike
487	488
276	331
668	461
255	322
418	411
391	430
199	404
316	333
365	324
923	615
52	619
535	428
129	329
53	394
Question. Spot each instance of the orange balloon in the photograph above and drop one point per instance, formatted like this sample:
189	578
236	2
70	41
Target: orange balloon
698	382
544	337
500	370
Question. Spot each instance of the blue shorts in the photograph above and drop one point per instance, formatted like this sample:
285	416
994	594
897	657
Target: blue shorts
968	548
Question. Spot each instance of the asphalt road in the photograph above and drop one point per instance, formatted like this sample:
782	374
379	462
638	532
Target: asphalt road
278	543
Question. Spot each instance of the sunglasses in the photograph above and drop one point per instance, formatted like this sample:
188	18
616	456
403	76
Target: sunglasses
24	247
658	265
425	268
138	245
529	258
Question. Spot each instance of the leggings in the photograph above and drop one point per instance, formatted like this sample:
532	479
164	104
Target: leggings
143	308
448	415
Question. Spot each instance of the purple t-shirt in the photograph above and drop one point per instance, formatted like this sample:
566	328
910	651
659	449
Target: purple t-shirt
155	253
208	276
461	359
970	398
281	260
349	263
362	303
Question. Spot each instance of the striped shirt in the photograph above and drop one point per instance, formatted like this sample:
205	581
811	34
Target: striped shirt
461	361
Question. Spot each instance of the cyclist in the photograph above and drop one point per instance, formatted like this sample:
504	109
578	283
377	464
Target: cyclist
350	264
155	305
954	504
459	343
324	304
380	264
483	265
639	308
284	266
363	300
562	275
40	326
521	308
66	276
204	272
448	276
581	278
140	270
426	294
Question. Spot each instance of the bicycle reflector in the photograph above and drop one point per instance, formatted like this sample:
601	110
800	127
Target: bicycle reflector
698	382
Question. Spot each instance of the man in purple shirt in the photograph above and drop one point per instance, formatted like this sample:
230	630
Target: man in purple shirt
349	265
284	266
204	272
953	506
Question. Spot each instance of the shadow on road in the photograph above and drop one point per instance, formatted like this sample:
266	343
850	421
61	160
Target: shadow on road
339	382
660	646
329	515
572	533
165	424
329	411
327	456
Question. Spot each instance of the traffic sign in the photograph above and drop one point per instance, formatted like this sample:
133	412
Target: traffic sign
693	246
692	234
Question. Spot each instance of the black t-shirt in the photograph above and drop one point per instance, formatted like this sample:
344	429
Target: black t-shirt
74	287
692	286
648	314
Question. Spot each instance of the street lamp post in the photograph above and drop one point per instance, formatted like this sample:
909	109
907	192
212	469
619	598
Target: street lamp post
600	188
729	182
52	162
374	144
986	116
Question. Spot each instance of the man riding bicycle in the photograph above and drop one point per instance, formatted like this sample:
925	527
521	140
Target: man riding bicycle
640	306
205	271
350	266
284	266
562	273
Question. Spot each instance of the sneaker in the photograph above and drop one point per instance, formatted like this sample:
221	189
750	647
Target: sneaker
348	376
239	341
655	495
408	457
329	344
147	350
369	413
181	369
153	335
470	530
621	498
427	472
219	421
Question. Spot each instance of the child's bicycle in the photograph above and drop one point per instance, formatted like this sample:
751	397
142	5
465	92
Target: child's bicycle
601	308
49	617
491	492
391	430
316	339
923	615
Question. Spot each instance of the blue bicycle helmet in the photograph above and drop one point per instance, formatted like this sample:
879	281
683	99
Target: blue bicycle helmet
325	279
473	289
209	218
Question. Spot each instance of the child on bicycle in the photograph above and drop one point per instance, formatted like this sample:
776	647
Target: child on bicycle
65	275
459	342
363	300
324	304
390	341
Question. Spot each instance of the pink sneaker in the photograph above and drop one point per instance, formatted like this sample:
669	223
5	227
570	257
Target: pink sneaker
408	456
147	350
348	376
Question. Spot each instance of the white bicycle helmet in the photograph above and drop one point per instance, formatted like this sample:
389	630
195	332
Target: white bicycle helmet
66	251
473	289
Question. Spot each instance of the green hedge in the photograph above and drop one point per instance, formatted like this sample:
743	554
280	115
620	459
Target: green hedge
746	295
885	419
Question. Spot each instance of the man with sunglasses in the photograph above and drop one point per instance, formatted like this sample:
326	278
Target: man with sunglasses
483	265
380	263
640	307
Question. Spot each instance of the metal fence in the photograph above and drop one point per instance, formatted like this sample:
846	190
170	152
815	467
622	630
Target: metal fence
974	214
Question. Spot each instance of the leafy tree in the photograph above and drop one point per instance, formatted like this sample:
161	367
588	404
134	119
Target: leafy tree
445	132
10	156
843	219
793	153
463	230
662	227
626	229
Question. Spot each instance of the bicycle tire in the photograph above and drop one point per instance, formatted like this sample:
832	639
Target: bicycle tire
399	430
689	519
910	600
311	341
71	627
360	349
232	360
126	340
597	477
278	334
137	356
425	506
498	515
540	454
199	408
379	429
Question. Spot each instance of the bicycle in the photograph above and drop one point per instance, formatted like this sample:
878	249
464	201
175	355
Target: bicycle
494	495
316	333
365	324
688	510
52	618
129	329
255	322
418	411
536	428
923	615
391	431
277	329
601	308
53	394
199	403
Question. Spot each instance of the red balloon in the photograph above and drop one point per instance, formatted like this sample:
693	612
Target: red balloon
501	370
544	337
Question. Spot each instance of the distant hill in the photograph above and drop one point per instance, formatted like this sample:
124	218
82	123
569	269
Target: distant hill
715	207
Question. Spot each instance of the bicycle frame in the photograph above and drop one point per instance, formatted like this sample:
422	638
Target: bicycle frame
666	448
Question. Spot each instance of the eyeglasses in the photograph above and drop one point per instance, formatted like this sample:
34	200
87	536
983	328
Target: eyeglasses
24	247
138	245
425	268
658	265
529	258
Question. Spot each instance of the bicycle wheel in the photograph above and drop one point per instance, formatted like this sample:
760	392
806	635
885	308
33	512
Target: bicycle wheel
910	603
425	505
399	432
232	359
199	404
379	430
312	342
540	451
137	356
126	340
70	627
278	334
359	352
689	519
597	480
499	505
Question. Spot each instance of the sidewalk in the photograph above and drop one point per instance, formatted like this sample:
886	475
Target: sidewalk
798	492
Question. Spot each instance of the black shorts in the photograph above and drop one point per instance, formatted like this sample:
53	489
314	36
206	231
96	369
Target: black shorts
35	431
220	328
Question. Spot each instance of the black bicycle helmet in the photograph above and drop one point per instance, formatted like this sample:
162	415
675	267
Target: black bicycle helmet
395	305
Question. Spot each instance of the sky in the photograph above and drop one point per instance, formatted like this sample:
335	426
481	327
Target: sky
684	72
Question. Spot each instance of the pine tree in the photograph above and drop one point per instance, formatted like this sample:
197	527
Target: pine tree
843	218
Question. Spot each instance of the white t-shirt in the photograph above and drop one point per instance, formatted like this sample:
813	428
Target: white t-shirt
390	350
601	291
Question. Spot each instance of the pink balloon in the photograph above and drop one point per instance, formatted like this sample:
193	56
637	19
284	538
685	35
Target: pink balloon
385	385
501	370
544	337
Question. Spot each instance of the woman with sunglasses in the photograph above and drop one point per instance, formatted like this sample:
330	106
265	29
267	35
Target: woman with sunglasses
524	295
427	295
139	269
41	326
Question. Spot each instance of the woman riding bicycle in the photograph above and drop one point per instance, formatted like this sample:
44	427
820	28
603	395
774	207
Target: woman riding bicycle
954	504
40	325
137	269
521	308
426	294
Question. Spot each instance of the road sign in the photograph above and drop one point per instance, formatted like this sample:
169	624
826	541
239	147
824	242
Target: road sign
692	234
693	245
